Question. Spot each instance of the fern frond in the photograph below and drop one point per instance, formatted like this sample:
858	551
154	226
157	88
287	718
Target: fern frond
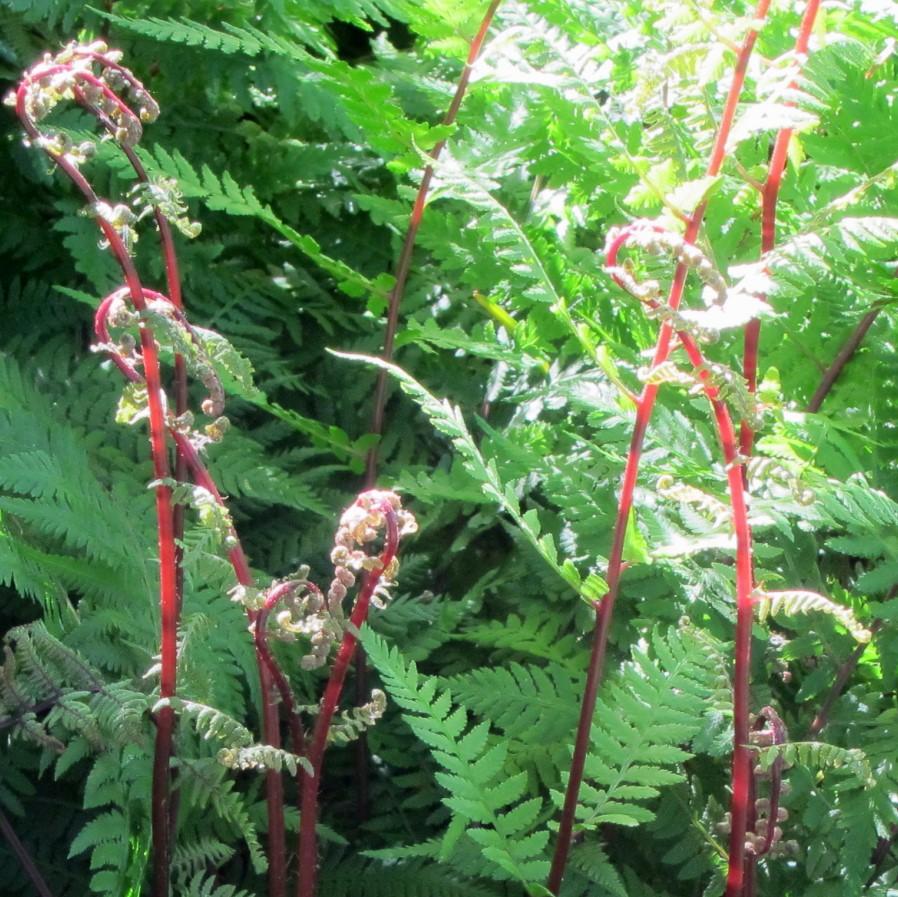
802	602
448	419
489	806
263	756
527	702
642	719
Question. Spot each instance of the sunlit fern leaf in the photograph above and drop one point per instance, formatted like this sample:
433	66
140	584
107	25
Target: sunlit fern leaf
486	805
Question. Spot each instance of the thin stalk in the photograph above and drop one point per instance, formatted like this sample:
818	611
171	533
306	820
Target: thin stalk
880	855
770	195
403	266
167	518
645	405
404	262
25	860
845	672
742	782
260	636
308	842
274	789
846	353
297	736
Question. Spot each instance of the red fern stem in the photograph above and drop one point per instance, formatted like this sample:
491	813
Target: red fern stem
308	843
769	196
166	541
742	755
404	263
274	789
645	405
66	69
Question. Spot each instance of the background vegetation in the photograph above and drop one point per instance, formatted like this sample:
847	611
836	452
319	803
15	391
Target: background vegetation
297	131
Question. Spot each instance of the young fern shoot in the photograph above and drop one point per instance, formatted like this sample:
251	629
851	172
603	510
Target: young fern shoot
604	608
81	75
91	76
373	512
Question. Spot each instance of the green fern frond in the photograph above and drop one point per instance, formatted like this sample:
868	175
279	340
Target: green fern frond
526	702
802	602
852	762
369	878
536	635
263	756
488	806
448	419
643	718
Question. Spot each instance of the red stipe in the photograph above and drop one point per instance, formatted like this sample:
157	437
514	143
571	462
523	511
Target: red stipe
308	842
172	274
166	541
644	407
263	652
770	195
846	353
260	636
405	256
742	756
846	671
161	815
376	426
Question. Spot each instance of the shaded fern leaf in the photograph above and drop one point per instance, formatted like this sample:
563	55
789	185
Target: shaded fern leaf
356	877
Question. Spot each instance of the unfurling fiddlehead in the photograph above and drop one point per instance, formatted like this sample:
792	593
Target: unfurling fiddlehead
92	76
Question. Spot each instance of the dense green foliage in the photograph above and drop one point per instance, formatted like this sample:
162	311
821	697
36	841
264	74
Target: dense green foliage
297	131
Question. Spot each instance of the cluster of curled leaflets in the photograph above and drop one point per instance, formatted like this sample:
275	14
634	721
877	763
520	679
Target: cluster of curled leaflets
92	76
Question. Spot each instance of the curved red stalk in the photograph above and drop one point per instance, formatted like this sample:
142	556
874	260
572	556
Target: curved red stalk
770	195
164	522
274	789
167	516
405	256
605	607
742	755
308	842
260	636
778	736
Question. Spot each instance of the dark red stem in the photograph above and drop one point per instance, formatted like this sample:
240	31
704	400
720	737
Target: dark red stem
403	266
846	671
644	407
846	353
25	861
779	736
405	256
308	842
161	815
260	635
